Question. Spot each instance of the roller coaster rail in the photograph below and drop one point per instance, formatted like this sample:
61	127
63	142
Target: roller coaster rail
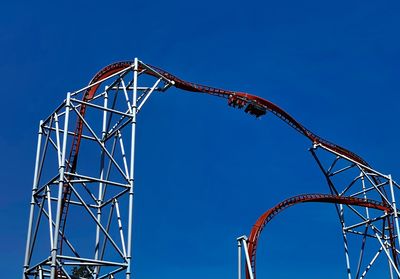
105	122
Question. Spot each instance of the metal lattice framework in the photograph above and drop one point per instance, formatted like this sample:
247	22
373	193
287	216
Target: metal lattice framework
98	187
355	189
250	245
85	164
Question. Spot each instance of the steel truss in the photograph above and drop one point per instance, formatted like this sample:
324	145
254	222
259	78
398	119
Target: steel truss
99	189
376	229
347	177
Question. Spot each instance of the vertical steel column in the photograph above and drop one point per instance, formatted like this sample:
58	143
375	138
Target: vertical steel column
396	217
32	204
246	253
364	240
60	189
345	242
100	193
239	243
131	174
40	270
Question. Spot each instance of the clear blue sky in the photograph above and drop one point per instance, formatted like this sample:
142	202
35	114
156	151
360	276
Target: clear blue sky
205	172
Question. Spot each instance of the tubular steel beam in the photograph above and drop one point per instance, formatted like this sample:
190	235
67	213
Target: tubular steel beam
76	184
122	78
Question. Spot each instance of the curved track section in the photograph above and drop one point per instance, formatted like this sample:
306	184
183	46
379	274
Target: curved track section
252	104
306	198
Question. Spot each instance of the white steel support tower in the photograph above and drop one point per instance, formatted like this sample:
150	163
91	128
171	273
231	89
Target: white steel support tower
85	166
368	233
81	210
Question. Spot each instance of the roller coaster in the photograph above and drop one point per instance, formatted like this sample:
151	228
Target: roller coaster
105	121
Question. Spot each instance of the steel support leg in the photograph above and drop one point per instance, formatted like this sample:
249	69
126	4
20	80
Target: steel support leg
396	217
60	190
131	175
243	240
32	204
100	193
239	243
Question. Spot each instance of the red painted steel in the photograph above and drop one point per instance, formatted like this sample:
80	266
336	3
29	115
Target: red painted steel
306	198
235	98
246	99
254	105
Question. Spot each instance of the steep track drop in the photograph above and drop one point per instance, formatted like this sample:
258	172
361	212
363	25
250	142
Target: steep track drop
252	104
237	99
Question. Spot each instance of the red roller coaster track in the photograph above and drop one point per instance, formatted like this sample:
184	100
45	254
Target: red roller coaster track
252	104
306	198
255	105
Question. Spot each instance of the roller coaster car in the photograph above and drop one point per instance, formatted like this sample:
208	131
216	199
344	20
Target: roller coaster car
255	109
236	102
